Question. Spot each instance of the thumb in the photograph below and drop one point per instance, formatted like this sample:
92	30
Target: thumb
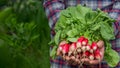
100	44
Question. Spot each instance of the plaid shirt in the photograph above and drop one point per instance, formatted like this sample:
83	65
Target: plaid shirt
53	8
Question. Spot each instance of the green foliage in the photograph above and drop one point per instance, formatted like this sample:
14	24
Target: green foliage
24	36
110	58
107	32
82	21
3	2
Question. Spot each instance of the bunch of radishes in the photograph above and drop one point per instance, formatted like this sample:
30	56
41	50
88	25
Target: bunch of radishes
81	49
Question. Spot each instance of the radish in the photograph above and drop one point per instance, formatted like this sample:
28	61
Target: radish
60	48
79	41
65	48
78	44
91	50
79	50
88	47
94	45
77	56
81	38
85	42
87	53
72	48
83	48
91	56
97	54
74	53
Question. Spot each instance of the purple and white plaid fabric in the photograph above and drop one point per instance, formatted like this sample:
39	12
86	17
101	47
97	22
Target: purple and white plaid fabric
53	8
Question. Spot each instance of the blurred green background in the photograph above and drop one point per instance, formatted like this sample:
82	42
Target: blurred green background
24	34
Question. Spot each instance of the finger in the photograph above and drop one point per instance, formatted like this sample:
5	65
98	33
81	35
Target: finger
102	50
67	58
64	57
70	61
75	62
85	60
72	57
93	62
102	53
101	56
100	44
78	61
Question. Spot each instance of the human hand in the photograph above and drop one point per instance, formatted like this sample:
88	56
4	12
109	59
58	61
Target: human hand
72	60
93	62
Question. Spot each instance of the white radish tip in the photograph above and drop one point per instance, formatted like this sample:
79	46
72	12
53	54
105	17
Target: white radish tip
69	53
83	43
83	48
72	48
94	48
78	50
91	50
91	57
63	51
75	53
88	48
78	44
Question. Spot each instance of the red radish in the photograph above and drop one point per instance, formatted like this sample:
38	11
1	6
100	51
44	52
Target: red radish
88	47
75	53
97	54
78	50
79	41
91	56
65	48
87	53
94	45
78	44
72	48
83	48
91	50
69	53
85	42
61	47
78	56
